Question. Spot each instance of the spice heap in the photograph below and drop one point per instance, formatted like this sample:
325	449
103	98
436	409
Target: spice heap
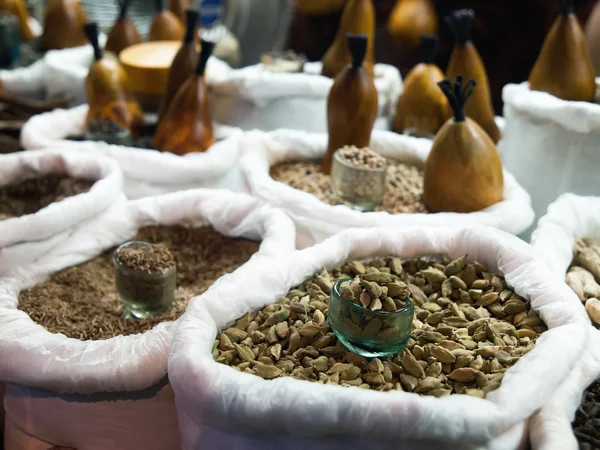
82	302
148	259
29	196
587	419
583	275
369	289
469	327
361	157
404	192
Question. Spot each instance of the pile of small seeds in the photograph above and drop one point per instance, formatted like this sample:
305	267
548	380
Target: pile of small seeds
146	258
82	302
361	157
376	291
29	196
469	328
404	193
583	276
587	420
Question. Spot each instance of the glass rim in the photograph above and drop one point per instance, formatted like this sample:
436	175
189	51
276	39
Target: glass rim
337	158
127	244
409	305
121	134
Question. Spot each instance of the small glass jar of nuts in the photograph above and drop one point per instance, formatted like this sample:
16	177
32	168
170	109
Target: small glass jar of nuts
358	177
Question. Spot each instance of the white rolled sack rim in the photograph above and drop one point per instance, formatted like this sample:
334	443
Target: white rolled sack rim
215	395
569	218
256	83
122	363
263	150
53	128
33	81
580	117
69	212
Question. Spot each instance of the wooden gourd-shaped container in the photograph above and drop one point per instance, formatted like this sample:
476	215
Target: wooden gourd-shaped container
465	61
352	103
165	26
178	8
564	67
358	18
592	36
185	61
124	33
18	9
186	126
63	25
422	107
463	172
410	20
107	90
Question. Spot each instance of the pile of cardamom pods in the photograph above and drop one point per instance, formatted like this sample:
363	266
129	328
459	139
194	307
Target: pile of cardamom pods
469	328
584	274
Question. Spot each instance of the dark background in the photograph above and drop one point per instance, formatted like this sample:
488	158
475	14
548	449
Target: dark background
507	33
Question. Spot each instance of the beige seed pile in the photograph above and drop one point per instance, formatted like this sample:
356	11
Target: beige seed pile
469	328
404	192
361	157
584	274
376	291
81	302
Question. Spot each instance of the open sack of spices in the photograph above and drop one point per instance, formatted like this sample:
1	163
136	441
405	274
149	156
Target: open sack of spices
284	168
454	335
46	195
555	117
146	171
100	321
567	238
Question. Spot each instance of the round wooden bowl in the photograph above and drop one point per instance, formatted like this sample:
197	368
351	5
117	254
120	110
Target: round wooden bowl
147	66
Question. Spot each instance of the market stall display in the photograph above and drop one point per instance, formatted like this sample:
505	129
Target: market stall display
284	169
480	341
422	107
48	194
465	61
566	238
104	370
358	18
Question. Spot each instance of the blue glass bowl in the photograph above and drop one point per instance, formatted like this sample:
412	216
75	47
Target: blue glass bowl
372	334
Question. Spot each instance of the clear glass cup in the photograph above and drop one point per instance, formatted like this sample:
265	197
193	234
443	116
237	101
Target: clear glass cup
144	294
360	188
372	334
122	137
